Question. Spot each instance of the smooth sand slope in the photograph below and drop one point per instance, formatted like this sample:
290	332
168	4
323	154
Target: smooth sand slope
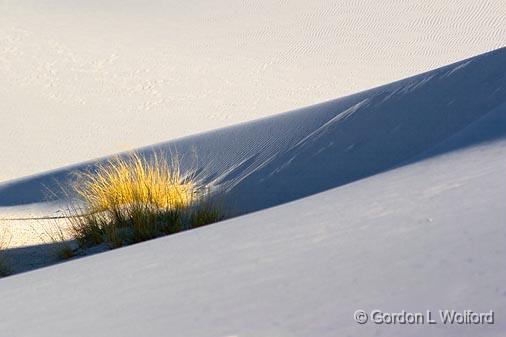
424	230
84	79
278	159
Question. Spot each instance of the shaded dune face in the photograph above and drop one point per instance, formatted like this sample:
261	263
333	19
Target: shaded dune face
82	80
279	159
388	127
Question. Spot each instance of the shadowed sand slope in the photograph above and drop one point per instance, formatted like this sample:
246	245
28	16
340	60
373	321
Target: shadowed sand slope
292	155
390	199
425	236
86	79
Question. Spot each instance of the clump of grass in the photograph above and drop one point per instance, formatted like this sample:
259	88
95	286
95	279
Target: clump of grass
207	213
65	252
132	199
4	268
135	181
5	239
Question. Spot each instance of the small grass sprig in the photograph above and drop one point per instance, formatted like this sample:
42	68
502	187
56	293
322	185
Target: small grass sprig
5	239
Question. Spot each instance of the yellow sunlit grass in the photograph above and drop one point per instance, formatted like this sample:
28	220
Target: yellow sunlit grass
134	180
132	199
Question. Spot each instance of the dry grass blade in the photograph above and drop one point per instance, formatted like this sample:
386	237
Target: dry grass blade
59	236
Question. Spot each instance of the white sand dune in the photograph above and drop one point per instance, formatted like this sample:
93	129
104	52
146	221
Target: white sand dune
281	158
85	79
391	198
411	217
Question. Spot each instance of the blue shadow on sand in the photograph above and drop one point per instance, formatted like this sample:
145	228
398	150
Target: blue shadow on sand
261	165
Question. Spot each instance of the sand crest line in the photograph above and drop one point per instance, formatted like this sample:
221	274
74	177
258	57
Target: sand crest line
47	217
